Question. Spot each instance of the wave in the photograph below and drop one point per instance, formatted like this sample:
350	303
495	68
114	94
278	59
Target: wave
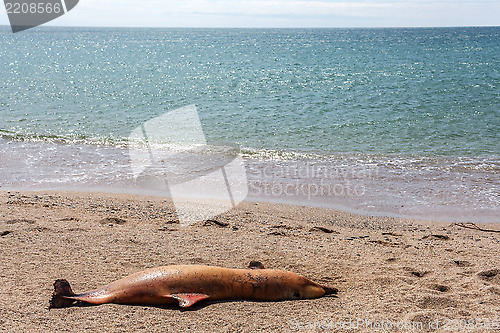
432	187
64	139
441	163
444	163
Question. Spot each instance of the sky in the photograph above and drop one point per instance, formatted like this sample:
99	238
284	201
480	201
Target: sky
279	13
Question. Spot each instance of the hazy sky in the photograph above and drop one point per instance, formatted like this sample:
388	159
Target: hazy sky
280	13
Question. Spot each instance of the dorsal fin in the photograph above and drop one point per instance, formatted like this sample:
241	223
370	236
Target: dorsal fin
255	265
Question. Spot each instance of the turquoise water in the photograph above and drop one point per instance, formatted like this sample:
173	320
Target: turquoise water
422	99
410	91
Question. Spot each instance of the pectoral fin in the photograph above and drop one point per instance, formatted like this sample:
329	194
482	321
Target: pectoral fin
188	299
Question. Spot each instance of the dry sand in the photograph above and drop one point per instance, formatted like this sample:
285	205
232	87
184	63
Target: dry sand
390	272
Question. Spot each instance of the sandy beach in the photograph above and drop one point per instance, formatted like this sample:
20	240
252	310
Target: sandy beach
393	274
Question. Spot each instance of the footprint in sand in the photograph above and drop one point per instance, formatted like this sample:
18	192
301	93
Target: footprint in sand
494	290
323	229
70	219
211	223
113	220
462	263
436	302
15	221
415	272
439	287
442	237
492	276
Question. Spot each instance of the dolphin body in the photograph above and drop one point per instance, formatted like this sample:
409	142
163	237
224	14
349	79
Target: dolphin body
188	284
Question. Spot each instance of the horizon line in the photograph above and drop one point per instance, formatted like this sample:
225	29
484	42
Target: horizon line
263	27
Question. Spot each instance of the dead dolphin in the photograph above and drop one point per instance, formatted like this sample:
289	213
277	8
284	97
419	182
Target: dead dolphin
188	284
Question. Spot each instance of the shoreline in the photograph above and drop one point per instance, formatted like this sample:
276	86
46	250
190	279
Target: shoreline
392	270
455	190
308	204
344	212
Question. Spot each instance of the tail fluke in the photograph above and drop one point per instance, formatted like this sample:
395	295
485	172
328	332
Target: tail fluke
61	296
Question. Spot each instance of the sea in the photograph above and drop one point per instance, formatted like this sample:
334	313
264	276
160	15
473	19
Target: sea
397	122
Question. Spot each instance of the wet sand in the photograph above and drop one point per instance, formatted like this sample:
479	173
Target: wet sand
393	274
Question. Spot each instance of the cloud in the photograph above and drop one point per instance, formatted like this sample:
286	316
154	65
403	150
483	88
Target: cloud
393	10
412	9
269	13
279	8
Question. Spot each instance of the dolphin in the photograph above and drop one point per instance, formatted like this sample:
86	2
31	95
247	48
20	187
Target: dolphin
187	284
